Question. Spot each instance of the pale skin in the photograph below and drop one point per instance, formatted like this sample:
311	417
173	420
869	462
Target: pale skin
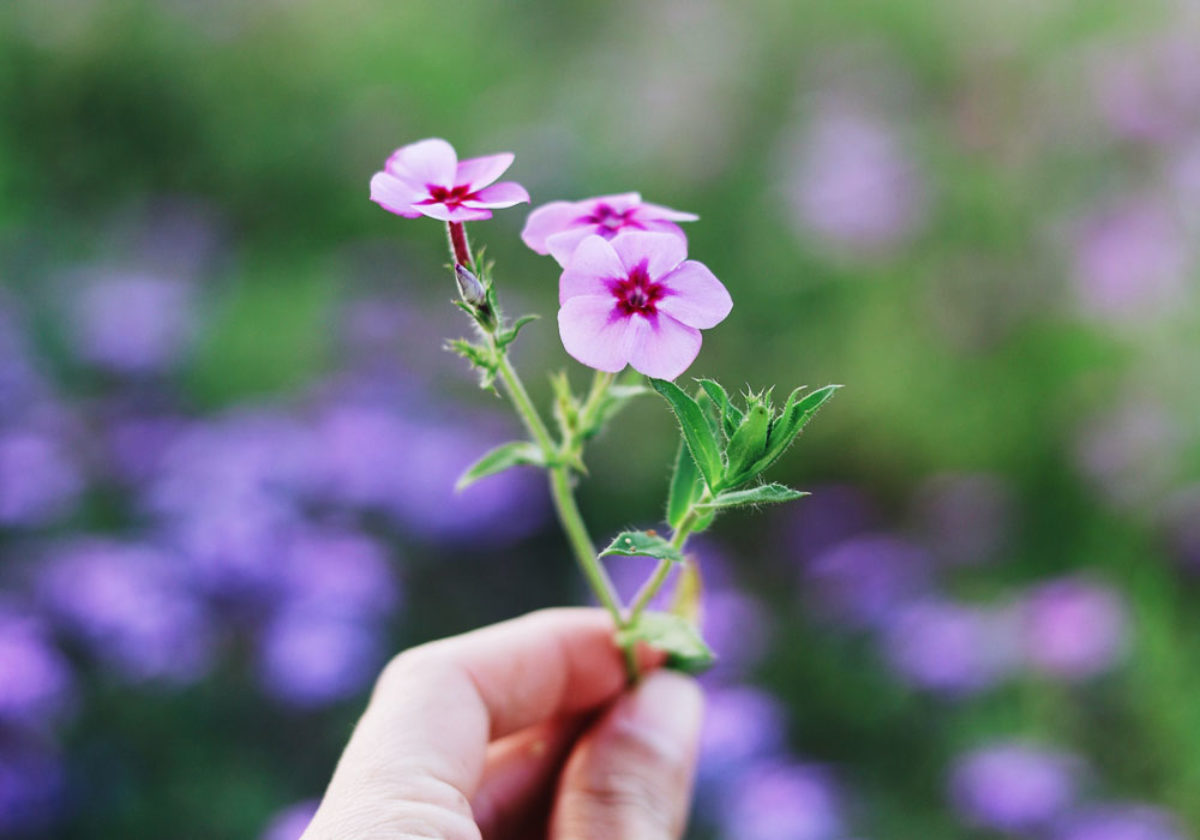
516	731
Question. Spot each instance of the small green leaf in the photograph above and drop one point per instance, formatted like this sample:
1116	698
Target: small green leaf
676	636
699	435
760	495
642	544
731	415
509	335
506	455
686	486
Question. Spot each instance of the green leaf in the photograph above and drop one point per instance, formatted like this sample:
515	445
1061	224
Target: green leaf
506	455
509	335
686	486
792	420
763	494
699	435
731	415
642	544
686	650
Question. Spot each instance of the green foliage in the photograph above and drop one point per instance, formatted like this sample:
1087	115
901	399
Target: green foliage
763	494
699	436
642	544
503	457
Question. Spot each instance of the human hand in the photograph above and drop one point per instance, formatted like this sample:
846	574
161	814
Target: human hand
519	730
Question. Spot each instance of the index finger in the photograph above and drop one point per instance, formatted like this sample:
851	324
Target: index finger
436	707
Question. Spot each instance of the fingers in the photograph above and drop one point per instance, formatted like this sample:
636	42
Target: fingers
631	776
514	797
418	754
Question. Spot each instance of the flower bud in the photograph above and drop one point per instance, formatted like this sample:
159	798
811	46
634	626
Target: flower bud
469	287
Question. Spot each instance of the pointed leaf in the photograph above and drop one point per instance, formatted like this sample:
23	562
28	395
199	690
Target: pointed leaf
686	650
510	335
760	495
686	486
699	435
731	415
642	544
501	458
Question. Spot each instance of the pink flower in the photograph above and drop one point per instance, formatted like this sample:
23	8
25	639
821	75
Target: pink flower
426	179
557	228
637	301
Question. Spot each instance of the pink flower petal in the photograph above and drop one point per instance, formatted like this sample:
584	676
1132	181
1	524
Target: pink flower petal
562	245
394	195
595	333
663	347
425	162
697	297
593	264
661	251
619	202
478	172
505	194
453	214
650	212
548	220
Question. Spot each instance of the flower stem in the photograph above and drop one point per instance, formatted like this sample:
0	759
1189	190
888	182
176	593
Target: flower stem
458	243
560	479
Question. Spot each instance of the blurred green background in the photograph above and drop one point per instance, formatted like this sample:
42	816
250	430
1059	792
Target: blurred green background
978	217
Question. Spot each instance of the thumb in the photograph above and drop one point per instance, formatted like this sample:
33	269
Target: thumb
631	776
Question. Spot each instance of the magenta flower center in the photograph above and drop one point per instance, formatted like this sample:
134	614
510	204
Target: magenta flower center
637	293
451	197
609	222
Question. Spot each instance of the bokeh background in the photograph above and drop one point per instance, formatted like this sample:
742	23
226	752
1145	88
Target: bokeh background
228	434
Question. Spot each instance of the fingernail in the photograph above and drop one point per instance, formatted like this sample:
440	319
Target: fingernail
666	703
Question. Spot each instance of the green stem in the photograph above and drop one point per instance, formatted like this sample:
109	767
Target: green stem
560	478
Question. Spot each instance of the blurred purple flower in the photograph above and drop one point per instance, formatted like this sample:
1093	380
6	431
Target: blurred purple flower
373	457
863	581
1074	628
291	822
338	573
35	679
38	481
782	801
951	649
1130	262
1013	787
228	495
1131	452
32	783
740	724
20	383
310	659
126	602
850	183
1149	91
133	323
965	518
833	514
1125	821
